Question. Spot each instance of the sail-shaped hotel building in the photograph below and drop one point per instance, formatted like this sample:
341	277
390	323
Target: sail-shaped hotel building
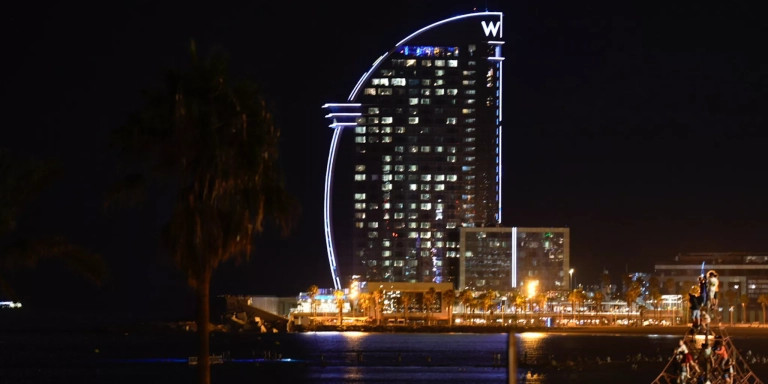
423	129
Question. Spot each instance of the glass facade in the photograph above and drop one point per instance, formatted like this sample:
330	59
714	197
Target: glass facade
502	259
425	125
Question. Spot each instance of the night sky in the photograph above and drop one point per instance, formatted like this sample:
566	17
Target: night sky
640	126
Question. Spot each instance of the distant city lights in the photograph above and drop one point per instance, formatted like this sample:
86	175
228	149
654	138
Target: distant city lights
9	304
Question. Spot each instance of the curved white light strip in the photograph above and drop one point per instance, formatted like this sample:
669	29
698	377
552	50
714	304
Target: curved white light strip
338	128
329	245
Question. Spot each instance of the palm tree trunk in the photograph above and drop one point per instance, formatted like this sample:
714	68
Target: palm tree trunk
203	329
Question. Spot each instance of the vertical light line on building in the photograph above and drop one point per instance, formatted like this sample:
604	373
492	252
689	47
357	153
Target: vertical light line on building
513	273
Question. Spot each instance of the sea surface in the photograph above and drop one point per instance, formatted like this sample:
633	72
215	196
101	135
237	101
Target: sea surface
57	356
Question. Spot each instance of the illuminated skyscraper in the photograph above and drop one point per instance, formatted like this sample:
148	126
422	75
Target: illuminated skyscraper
424	129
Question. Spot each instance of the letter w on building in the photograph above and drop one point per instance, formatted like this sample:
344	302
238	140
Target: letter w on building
491	28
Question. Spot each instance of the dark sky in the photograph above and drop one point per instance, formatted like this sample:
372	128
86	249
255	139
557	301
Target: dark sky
639	125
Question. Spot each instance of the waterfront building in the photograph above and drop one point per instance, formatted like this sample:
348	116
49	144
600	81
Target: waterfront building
743	278
505	258
424	131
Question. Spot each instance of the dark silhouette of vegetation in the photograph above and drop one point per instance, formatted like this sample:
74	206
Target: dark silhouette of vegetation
21	182
208	142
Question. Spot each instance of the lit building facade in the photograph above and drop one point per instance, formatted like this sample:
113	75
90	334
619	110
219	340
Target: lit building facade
503	259
745	273
743	280
424	126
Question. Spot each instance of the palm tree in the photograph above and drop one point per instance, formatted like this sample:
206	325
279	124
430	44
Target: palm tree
448	298
312	292
21	181
365	302
338	295
378	302
486	302
211	145
406	300
466	297
654	296
430	296
763	300
520	302
632	294
599	298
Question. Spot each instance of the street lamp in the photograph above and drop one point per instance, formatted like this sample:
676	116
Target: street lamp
570	279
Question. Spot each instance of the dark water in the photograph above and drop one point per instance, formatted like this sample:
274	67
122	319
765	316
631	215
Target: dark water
162	357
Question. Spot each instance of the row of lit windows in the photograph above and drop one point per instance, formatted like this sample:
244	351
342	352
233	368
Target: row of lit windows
398	177
412	83
385	120
374	206
362	129
428	50
438	149
414	62
388	139
390	72
451	120
402	81
411	263
373	91
413	168
400	263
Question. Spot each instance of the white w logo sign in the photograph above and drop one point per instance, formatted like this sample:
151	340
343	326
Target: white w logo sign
490	28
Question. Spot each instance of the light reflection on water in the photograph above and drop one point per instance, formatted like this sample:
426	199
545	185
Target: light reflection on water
351	357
